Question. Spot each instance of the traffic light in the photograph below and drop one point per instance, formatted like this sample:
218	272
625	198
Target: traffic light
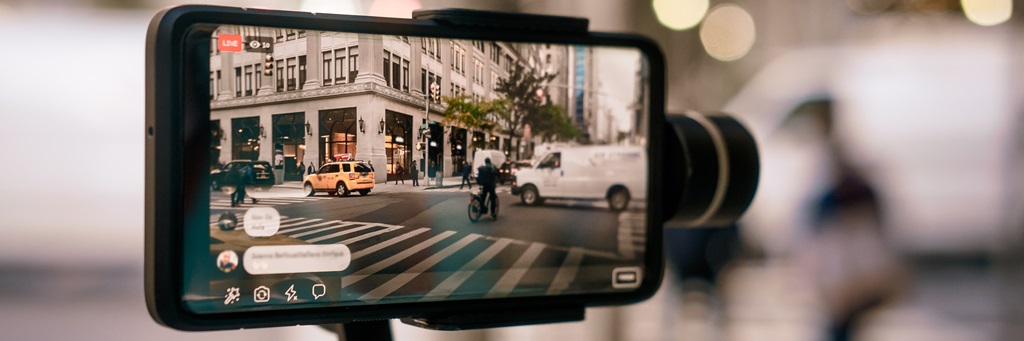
435	92
268	65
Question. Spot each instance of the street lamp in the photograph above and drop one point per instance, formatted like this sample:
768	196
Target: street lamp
309	129
362	125
263	133
380	130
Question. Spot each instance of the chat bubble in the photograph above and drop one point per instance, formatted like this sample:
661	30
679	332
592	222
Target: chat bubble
319	290
287	259
262	221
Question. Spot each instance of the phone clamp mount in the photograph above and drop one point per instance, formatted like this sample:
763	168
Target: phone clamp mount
710	162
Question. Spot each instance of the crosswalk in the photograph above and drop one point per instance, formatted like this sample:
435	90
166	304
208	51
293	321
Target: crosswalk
225	203
406	264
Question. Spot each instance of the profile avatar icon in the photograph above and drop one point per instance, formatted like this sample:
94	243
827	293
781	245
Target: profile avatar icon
227	261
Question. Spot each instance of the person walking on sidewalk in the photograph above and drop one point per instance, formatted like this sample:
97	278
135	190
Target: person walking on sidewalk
399	171
415	173
465	175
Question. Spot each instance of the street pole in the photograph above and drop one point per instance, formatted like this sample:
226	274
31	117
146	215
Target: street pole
426	141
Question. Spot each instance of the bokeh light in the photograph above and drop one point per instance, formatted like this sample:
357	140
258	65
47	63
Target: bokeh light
987	12
680	14
728	32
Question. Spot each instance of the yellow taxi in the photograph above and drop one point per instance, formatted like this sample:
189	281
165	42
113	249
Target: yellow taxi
340	178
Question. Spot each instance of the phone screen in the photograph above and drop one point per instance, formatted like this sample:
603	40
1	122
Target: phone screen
351	169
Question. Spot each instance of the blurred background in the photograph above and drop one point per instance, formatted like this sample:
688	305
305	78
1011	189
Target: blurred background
889	206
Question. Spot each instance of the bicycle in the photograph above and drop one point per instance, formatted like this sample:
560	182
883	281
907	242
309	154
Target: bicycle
477	206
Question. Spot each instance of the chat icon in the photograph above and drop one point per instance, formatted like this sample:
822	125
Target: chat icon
319	290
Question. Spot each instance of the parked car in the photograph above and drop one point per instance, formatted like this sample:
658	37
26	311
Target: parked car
617	174
507	171
263	175
341	178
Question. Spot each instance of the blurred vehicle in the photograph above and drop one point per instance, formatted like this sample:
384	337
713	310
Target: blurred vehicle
340	178
263	176
507	171
617	174
496	156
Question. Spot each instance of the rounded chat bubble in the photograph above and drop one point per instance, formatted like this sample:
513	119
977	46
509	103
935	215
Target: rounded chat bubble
287	259
262	221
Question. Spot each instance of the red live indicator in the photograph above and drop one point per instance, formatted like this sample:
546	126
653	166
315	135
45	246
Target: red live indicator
229	43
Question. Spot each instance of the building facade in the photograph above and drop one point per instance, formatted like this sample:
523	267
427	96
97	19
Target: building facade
330	96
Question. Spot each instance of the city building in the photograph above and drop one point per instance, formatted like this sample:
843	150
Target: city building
300	98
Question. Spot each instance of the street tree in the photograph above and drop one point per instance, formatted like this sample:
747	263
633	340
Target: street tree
521	102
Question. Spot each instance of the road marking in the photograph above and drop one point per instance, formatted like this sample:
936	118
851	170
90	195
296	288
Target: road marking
342	233
511	278
408	275
455	280
398	257
389	242
337	224
567	273
297	227
372	234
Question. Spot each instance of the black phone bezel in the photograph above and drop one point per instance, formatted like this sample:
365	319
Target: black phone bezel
177	146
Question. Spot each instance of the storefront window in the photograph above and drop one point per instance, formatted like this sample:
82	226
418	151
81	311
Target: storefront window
459	147
216	134
398	142
338	134
290	144
245	138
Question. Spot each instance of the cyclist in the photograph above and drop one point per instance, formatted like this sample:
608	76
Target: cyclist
486	177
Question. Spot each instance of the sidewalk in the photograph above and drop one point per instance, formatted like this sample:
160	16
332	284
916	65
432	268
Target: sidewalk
391	187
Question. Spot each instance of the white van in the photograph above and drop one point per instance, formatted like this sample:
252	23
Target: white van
617	174
496	156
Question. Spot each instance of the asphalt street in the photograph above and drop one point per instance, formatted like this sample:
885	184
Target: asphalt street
416	245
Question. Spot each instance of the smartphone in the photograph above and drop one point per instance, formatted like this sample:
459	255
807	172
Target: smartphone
313	168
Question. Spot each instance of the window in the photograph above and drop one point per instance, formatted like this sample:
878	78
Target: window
238	82
553	160
290	34
353	63
211	85
362	168
302	33
387	67
396	73
495	53
257	75
248	80
405	75
479	45
346	167
291	74
339	66
302	71
423	81
280	76
509	64
326	71
280	34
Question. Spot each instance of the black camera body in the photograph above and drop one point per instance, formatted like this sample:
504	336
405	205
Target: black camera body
696	171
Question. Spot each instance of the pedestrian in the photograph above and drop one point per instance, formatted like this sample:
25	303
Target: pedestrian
370	164
465	175
415	173
302	169
242	176
400	172
431	172
310	171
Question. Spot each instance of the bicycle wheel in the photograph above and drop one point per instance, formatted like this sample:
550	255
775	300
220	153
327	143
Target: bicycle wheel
475	210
